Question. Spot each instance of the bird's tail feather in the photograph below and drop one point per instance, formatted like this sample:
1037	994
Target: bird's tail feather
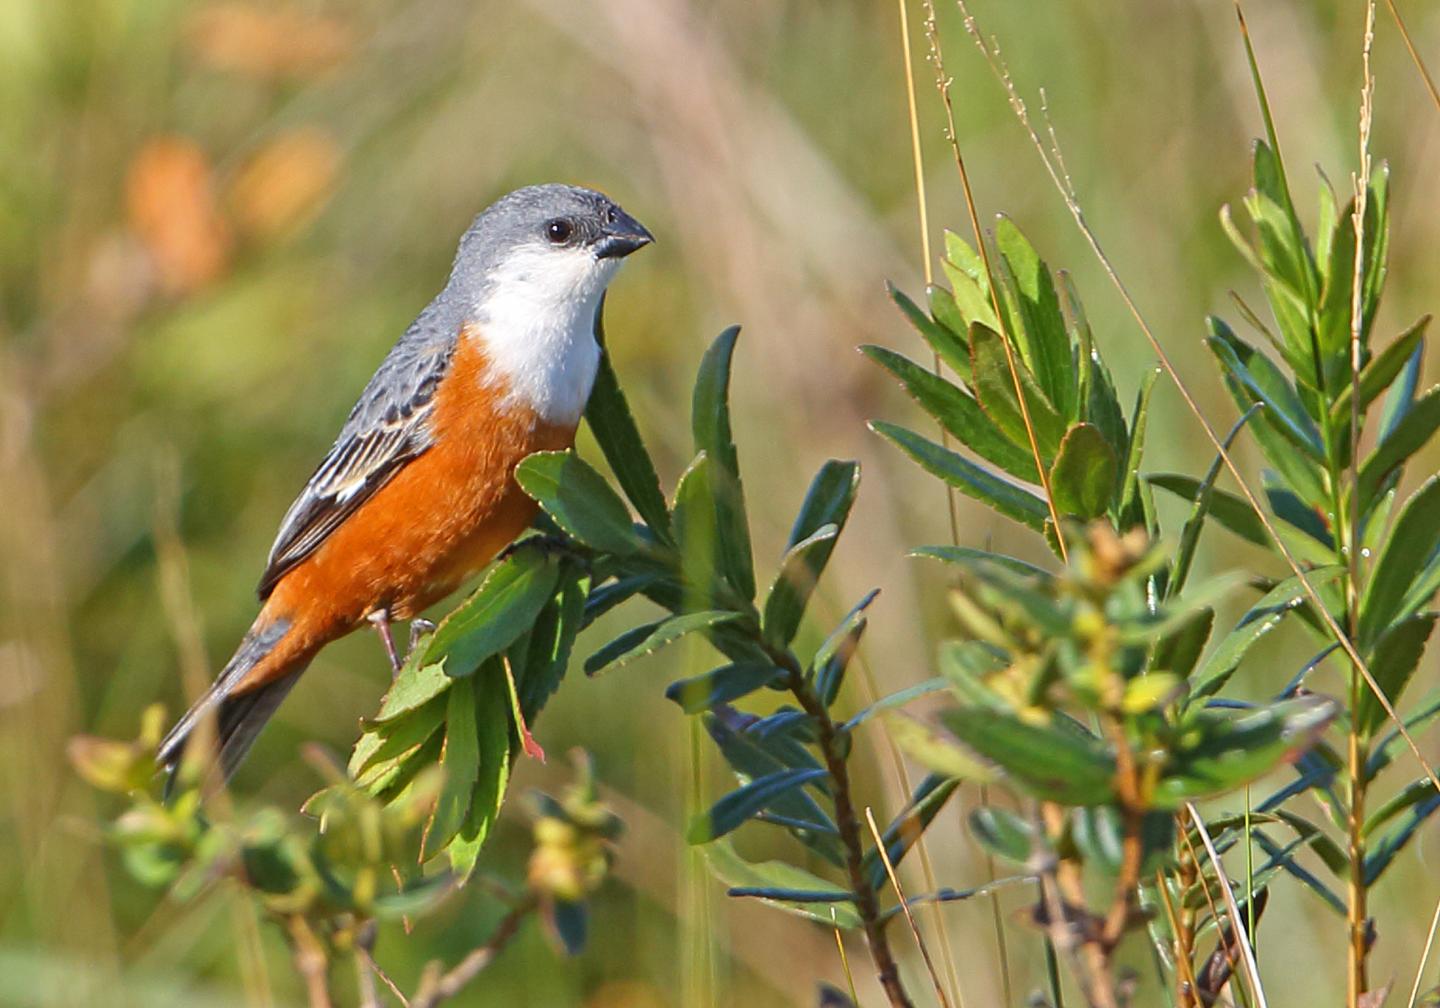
239	715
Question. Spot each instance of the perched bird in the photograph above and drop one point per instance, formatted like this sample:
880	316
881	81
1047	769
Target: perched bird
418	491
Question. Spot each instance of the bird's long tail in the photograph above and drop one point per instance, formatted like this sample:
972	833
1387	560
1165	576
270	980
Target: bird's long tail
245	694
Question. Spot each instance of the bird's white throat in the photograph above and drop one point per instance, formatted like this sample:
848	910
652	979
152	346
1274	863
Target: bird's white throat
538	327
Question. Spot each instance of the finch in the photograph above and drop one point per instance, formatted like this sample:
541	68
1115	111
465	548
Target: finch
418	491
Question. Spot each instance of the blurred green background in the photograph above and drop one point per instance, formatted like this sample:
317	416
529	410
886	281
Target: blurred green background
216	216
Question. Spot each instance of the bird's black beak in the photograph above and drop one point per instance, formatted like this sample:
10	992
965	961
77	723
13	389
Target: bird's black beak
622	235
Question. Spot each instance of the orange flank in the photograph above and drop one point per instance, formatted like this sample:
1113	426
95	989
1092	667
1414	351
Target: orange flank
441	518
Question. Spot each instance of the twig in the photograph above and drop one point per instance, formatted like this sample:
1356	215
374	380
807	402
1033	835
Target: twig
905	906
310	961
849	829
436	986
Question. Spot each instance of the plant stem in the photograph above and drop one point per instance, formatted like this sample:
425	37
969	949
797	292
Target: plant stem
848	825
1357	909
436	987
310	961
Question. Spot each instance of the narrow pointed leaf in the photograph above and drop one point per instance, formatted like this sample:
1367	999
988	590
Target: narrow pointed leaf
1050	763
502	608
957	412
741	805
580	501
609	417
651	637
721	685
1005	497
710	421
1262	617
994	385
1412	541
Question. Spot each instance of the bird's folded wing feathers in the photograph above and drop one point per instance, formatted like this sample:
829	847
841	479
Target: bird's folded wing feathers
388	427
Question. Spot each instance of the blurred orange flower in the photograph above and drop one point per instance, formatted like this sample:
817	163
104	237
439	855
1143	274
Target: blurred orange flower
267	42
170	200
285	183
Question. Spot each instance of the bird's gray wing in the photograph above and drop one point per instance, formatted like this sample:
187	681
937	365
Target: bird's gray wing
388	427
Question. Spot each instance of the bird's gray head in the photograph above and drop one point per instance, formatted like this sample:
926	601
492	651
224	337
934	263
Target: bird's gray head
550	243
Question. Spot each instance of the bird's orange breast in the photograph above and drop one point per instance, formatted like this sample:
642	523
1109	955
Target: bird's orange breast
444	516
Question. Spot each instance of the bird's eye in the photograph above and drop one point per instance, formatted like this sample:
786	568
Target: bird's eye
558	231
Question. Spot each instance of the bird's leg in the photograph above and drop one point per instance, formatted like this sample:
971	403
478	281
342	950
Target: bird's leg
527	741
418	628
380	618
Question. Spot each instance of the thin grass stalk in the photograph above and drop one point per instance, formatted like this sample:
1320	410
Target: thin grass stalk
942	83
905	907
922	849
845	962
1357	909
1237	925
1424	957
1415	56
1072	203
1183	946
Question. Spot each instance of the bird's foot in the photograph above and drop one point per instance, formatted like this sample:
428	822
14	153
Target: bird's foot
380	619
418	629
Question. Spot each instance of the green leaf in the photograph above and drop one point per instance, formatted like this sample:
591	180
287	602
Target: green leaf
1412	541
950	346
609	417
957	412
1383	847
1411	433
995	390
1401	397
495	741
741	805
1082	480
1052	764
1414	793
897	699
794	582
1003	833
1380	372
1179	651
966	555
1190	532
651	637
833	656
1262	617
460	760
783	886
547	648
396	738
1393	663
969	284
501	609
1134	499
722	685
1263	383
938	751
415	686
1008	499
1041	337
1222	748
579	500
906	828
1230	510
710	421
